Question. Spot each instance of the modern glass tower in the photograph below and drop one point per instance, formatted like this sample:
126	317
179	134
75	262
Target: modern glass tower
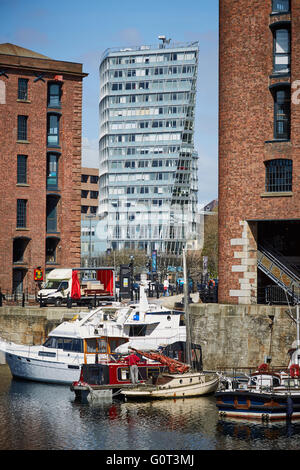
148	164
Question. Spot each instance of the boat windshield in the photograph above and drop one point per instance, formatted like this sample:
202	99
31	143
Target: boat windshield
66	344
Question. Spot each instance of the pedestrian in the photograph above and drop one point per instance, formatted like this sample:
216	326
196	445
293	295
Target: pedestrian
166	287
132	361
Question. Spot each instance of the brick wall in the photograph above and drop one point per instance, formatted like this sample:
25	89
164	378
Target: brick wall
34	191
245	138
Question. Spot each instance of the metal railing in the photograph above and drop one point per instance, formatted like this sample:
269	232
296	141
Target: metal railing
277	268
17	298
239	378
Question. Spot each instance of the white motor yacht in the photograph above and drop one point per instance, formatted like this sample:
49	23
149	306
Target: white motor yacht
67	347
93	337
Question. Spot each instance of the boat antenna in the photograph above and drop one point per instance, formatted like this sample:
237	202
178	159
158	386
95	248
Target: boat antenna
186	311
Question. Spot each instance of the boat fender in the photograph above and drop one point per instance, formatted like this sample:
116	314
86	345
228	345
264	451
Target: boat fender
263	367
294	370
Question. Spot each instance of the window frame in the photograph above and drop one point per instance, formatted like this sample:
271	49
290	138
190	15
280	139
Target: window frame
48	176
23	90
277	170
281	26
22	128
53	134
274	10
280	87
50	95
22	169
52	213
21	213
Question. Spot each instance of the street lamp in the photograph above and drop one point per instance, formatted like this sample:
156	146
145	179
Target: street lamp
131	276
90	217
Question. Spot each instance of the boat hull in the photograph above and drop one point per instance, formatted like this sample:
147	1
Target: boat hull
182	386
258	405
42	370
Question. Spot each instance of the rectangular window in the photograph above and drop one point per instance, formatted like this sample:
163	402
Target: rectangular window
282	114
51	245
280	6
94	194
22	169
281	50
52	171
279	175
51	225
53	130
54	95
22	127
94	179
21	213
22	89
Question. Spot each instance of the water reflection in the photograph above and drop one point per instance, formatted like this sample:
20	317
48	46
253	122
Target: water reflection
283	434
43	416
178	424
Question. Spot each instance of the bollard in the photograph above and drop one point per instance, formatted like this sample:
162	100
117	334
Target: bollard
0	298
23	299
95	301
41	301
69	301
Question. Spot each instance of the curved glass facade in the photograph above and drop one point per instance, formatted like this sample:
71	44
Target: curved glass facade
148	165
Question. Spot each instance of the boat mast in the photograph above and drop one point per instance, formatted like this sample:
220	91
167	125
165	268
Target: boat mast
186	311
298	328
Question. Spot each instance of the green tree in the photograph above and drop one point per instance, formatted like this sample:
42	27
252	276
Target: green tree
210	248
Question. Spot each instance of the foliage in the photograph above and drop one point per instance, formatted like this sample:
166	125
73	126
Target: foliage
210	248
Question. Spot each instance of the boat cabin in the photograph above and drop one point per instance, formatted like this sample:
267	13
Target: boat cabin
94	349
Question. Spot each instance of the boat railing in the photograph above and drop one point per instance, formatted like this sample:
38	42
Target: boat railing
271	379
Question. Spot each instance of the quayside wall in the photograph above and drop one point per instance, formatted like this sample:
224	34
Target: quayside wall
242	335
230	335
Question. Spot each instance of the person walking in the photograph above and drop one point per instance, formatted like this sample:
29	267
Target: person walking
166	287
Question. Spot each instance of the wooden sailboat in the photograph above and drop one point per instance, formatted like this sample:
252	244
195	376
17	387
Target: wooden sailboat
181	381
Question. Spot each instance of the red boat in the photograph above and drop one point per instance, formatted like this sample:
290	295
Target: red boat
98	381
107	380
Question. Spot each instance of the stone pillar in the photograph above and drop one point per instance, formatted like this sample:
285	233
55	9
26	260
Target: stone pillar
245	254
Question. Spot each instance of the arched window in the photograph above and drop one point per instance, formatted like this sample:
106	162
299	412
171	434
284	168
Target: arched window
279	175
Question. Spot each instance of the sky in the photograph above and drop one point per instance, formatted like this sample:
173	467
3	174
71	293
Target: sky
80	31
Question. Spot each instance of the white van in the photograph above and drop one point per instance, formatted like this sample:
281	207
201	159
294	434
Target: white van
57	287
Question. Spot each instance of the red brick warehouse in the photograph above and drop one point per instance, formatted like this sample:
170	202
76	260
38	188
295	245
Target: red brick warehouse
40	194
259	150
